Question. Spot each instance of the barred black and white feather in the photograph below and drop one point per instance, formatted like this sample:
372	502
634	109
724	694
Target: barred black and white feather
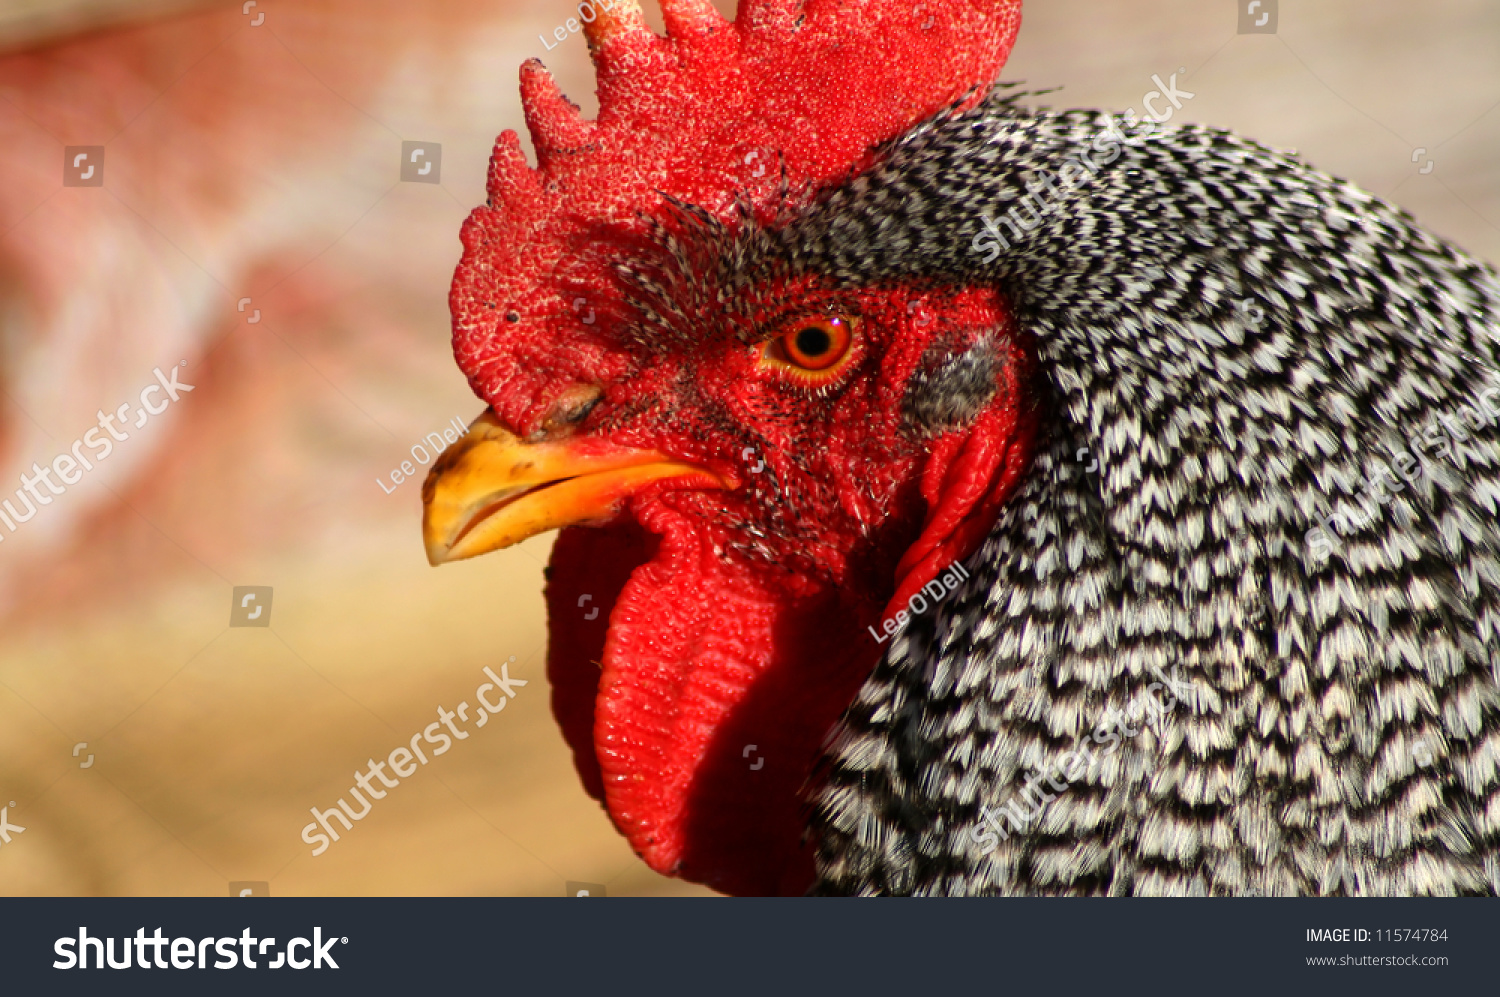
1233	345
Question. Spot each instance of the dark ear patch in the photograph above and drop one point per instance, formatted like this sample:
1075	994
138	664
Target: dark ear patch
950	389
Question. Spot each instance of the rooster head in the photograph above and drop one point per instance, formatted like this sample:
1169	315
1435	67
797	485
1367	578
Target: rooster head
755	459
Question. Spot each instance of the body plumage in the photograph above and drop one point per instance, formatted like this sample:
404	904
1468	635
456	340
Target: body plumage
1240	346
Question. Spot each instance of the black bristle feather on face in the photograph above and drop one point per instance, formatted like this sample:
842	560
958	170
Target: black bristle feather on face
1231	345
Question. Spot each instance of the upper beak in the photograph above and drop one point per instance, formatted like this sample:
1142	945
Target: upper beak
490	490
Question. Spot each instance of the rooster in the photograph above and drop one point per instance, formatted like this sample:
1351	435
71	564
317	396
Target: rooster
958	497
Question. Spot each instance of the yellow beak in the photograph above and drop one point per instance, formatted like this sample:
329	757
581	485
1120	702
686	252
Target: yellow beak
490	490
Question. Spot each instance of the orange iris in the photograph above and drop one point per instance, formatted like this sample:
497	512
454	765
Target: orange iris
814	346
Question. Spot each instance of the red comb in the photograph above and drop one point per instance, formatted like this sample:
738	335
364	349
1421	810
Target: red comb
715	110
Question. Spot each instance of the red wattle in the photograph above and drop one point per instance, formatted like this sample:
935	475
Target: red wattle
588	569
720	680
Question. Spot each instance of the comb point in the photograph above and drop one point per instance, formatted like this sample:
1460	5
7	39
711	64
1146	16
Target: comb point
688	18
775	18
509	173
552	119
615	19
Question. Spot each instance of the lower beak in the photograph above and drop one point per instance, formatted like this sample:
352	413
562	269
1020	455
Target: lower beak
490	490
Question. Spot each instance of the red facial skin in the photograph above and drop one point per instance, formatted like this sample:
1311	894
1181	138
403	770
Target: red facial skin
737	621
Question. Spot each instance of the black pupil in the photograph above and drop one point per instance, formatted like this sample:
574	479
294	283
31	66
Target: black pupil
813	342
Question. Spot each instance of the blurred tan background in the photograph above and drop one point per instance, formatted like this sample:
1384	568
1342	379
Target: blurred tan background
262	161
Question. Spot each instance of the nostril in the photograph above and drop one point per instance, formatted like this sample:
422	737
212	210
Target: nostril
571	408
582	412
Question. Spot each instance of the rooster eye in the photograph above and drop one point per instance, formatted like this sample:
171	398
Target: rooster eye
813	347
